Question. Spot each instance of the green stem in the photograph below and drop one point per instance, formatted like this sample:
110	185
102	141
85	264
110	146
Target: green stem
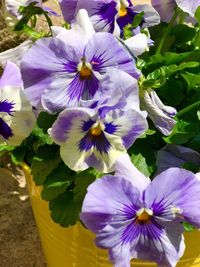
185	110
167	31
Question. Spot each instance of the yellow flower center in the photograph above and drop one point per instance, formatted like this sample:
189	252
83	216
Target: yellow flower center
96	130
85	72
122	11
144	215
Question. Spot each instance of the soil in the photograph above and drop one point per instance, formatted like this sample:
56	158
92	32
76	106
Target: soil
19	241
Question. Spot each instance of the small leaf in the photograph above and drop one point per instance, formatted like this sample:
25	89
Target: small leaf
188	227
53	190
64	209
45	161
82	181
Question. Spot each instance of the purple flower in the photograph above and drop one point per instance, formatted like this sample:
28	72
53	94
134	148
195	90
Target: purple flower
16	117
109	15
176	156
96	137
188	6
161	115
133	217
72	70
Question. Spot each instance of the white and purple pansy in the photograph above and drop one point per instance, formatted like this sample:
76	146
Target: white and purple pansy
133	217
188	6
160	114
58	74
110	15
96	137
16	117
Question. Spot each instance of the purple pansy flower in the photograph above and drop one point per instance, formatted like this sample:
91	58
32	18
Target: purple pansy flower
160	114
188	6
176	156
135	218
109	15
16	117
72	70
96	137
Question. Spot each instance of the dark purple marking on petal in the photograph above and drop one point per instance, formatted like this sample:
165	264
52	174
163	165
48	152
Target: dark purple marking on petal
99	61
149	230
5	130
7	107
107	13
110	128
82	88
70	66
87	125
100	143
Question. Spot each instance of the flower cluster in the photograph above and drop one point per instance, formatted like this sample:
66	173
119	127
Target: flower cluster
110	98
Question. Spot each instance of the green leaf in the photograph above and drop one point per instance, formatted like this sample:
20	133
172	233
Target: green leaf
137	19
188	227
53	190
82	181
193	80
183	33
64	209
45	120
45	161
197	15
143	157
182	132
57	182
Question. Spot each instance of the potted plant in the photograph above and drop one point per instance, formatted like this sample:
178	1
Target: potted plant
103	116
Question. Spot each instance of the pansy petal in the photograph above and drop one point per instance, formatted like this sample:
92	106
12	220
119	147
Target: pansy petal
151	16
23	119
178	195
15	54
11	76
123	82
161	6
38	76
82	29
67	132
176	156
188	6
125	168
106	199
104	51
155	244
130	125
138	44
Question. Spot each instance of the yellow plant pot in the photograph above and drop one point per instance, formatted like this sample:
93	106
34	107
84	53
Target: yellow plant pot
74	246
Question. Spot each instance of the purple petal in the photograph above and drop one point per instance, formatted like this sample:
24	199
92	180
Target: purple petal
125	169
106	199
11	76
130	125
151	16
159	244
104	51
176	156
178	195
161	6
68	8
5	130
58	63
15	54
189	6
